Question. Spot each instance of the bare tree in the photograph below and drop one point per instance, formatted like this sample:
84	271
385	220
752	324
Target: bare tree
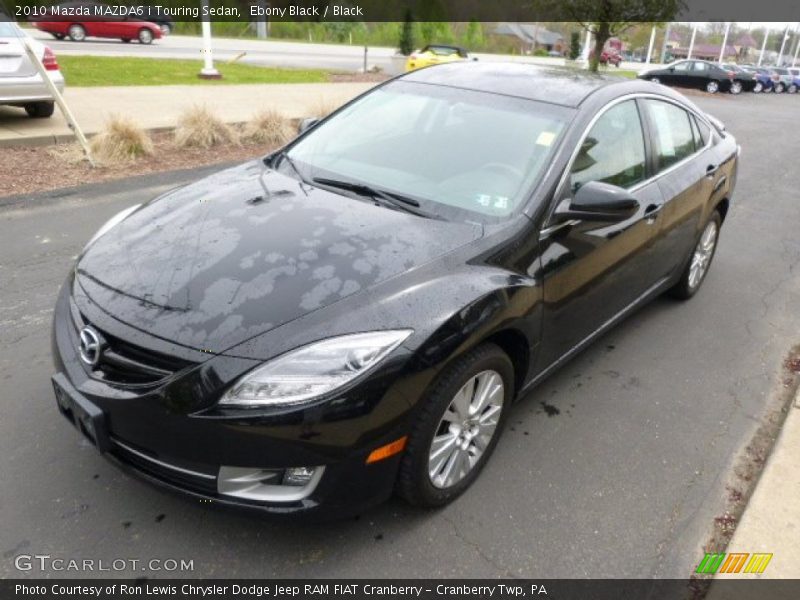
605	19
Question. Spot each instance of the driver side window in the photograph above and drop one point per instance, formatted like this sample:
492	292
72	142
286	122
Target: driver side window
613	151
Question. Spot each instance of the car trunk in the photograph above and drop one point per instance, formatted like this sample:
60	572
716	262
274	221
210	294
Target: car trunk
14	61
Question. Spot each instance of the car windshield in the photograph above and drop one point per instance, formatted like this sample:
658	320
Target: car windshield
442	50
462	155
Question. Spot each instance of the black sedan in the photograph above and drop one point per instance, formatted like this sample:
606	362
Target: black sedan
698	74
356	313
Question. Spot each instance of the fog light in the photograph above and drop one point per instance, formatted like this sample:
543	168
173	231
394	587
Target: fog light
298	476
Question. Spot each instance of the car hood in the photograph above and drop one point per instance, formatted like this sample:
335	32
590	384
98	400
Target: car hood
221	260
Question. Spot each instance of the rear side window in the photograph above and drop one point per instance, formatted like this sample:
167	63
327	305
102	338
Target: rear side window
613	151
673	136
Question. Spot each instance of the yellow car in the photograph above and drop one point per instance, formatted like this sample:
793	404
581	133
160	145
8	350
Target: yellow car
435	54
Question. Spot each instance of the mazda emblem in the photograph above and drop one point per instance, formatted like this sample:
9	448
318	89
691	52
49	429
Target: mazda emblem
91	347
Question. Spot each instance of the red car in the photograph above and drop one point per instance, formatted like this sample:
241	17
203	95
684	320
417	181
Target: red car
79	20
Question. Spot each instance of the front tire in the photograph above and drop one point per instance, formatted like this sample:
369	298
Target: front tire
76	33
736	88
779	87
40	110
145	36
699	263
758	88
457	428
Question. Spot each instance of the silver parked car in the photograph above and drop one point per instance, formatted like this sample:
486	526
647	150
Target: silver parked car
20	82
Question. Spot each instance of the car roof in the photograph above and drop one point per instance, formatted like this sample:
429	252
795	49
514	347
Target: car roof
545	84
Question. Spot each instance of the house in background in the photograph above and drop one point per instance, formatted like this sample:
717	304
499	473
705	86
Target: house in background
534	36
746	47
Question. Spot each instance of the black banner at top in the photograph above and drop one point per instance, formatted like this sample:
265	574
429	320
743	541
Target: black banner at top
419	10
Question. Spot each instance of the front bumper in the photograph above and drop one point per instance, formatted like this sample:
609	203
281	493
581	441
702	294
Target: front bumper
150	432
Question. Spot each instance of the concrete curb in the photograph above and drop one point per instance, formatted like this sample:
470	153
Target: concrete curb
771	521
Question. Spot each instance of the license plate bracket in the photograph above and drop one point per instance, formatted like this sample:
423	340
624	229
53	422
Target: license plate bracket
86	416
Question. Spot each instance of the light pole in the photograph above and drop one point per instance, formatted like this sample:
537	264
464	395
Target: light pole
650	47
763	46
208	71
783	45
691	43
724	41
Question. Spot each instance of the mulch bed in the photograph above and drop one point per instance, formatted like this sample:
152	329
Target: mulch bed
27	170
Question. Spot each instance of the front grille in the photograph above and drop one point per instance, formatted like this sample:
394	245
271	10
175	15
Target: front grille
124	363
184	476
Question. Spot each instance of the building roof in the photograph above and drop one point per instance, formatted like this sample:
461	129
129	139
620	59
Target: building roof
745	40
709	50
529	33
533	82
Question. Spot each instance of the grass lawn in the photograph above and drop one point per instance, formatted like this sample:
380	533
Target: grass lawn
91	71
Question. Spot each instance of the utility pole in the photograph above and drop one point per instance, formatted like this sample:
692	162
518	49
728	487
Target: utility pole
208	71
724	41
691	43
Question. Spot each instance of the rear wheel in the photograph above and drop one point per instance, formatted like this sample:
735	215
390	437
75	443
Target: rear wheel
458	428
76	32
697	268
40	110
736	87
792	89
165	29
758	87
779	88
712	87
145	36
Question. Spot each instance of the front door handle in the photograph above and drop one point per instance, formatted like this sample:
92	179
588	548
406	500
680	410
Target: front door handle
711	169
651	213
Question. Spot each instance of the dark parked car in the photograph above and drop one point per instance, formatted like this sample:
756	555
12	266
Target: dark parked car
80	20
743	79
699	74
343	318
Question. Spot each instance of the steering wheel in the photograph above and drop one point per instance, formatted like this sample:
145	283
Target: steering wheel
503	168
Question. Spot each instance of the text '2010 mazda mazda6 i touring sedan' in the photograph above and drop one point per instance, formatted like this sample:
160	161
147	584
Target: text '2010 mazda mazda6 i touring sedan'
355	313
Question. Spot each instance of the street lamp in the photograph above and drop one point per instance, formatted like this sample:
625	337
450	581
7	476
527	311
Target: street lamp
208	71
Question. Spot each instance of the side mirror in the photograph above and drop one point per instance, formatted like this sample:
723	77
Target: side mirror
307	124
597	201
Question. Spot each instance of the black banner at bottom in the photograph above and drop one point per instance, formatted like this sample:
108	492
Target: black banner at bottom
411	589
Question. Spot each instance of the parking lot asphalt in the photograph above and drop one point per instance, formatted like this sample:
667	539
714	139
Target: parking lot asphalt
614	467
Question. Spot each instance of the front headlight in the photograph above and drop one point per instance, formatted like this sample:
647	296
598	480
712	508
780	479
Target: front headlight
113	222
314	370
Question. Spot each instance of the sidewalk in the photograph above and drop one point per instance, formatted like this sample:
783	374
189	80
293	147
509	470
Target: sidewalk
771	521
158	107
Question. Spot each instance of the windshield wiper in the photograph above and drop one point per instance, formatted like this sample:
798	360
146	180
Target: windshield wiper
362	189
283	155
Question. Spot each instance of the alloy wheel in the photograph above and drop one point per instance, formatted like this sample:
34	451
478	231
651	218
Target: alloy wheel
703	253
145	36
466	429
736	87
758	88
77	33
712	87
655	80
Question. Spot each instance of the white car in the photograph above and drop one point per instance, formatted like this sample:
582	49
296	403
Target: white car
20	82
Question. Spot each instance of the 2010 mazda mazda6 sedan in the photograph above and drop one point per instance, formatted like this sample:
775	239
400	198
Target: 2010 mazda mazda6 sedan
355	313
